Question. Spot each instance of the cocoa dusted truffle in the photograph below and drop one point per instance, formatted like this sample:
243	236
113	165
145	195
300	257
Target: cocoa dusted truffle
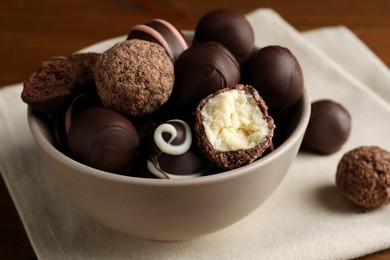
134	77
201	70
163	33
103	139
328	129
363	176
229	28
51	86
233	127
172	154
85	64
276	74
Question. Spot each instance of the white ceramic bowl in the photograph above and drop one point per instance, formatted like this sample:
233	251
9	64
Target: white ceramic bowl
170	210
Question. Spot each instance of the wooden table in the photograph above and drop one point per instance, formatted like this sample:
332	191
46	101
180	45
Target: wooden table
31	31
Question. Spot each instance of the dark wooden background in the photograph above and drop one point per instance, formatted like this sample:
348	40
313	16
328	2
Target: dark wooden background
31	31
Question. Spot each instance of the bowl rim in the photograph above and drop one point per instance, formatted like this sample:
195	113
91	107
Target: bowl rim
48	147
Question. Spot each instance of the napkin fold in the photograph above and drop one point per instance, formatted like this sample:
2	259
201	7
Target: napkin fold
304	219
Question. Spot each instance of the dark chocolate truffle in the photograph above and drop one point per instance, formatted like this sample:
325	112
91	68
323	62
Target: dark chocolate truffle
233	127
363	176
103	139
163	33
134	77
172	154
229	28
276	74
63	118
202	70
51	86
328	129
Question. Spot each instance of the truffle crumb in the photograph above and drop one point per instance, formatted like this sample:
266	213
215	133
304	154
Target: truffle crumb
363	176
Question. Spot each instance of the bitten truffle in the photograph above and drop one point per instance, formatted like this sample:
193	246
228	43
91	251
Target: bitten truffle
233	127
134	77
51	86
229	28
328	129
363	176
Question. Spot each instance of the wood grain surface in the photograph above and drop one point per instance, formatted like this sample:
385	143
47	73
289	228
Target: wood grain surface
32	31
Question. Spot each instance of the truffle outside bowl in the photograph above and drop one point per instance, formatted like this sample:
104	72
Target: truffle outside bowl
170	210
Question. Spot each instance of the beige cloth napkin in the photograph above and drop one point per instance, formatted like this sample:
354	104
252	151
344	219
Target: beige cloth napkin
304	219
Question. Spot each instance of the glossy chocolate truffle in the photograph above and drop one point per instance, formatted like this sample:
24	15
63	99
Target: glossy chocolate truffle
163	33
171	153
229	28
328	129
233	127
201	70
276	74
103	139
134	77
51	86
363	176
63	119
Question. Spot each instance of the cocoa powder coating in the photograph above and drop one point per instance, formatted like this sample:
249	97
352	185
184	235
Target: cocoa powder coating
363	176
50	87
85	64
134	77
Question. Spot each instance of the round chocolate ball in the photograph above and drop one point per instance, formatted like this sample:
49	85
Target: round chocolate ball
103	139
201	70
329	127
172	154
276	74
163	33
134	77
363	176
63	118
228	27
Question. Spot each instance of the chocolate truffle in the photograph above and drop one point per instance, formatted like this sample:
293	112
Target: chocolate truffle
50	87
171	153
134	77
276	74
229	28
233	127
201	70
163	33
363	176
85	64
103	139
63	118
328	129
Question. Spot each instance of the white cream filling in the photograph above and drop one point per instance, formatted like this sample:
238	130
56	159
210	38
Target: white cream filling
232	121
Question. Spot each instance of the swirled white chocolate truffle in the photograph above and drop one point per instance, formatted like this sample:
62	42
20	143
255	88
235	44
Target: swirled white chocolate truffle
233	127
171	153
